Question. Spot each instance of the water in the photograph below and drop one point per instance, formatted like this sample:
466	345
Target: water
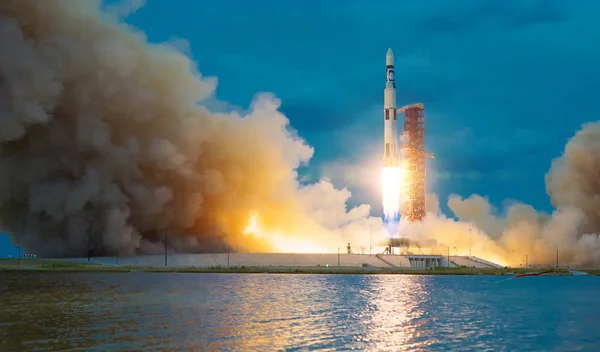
271	312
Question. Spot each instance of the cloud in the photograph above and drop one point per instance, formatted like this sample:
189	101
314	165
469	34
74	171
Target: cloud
573	181
573	228
102	130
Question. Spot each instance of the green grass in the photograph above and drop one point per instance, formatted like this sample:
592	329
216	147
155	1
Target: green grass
49	264
66	266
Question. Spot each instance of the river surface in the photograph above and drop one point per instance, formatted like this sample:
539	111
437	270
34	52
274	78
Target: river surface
280	312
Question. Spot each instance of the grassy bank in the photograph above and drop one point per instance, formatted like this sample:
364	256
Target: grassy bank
65	266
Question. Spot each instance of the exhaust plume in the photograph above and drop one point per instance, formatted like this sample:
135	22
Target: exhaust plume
102	131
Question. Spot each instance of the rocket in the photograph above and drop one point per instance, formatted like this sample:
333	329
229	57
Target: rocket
390	132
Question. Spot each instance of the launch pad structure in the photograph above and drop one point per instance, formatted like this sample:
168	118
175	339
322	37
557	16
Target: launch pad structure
413	157
412	150
410	155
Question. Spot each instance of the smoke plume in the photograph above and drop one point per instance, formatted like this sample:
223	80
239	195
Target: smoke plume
108	137
101	131
573	184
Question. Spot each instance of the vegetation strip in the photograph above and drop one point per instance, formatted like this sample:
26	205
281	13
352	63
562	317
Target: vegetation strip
45	265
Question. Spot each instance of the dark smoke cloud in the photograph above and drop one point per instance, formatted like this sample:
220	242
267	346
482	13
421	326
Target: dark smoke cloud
96	123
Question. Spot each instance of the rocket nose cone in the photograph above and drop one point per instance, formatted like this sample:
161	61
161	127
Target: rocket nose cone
389	57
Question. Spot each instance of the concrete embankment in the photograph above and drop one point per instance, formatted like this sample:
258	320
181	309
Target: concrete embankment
253	260
290	260
125	266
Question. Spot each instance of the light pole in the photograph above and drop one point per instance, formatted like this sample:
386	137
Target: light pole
228	247
513	261
448	255
19	246
89	250
166	246
370	243
470	242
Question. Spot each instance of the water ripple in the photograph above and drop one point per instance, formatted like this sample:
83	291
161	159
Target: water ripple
262	312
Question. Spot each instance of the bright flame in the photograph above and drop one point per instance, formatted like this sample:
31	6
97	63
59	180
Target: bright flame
390	182
280	243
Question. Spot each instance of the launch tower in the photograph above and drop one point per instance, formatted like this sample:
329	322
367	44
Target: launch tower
413	158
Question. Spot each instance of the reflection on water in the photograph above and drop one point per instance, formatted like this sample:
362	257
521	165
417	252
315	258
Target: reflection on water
262	312
391	308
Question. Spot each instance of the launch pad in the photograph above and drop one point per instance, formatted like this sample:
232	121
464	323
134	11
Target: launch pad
404	245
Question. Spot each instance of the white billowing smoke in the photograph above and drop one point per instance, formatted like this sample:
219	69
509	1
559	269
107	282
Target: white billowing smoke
97	126
573	184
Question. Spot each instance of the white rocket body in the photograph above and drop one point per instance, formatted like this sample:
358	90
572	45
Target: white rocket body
390	132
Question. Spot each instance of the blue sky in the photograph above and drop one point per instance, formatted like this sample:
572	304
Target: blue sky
504	83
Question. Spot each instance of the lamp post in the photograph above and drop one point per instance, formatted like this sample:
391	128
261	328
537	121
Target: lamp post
166	246
89	250
370	243
448	255
19	246
470	242
228	247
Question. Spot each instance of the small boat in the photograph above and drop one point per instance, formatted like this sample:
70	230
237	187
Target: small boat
534	274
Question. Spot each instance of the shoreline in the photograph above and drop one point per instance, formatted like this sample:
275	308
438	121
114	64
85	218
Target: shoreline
41	265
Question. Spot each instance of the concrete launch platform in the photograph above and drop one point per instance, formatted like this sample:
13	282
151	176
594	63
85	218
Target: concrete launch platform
291	260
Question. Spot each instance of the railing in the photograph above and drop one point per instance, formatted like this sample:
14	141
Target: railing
484	262
385	261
